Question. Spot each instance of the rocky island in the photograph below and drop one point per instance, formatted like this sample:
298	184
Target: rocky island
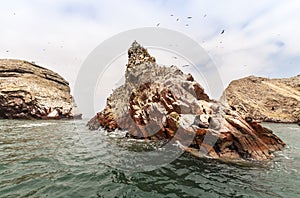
264	99
163	103
28	91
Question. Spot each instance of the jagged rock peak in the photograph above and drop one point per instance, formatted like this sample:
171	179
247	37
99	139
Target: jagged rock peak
162	103
137	55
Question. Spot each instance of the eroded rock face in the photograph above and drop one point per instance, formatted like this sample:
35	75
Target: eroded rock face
28	91
269	100
163	103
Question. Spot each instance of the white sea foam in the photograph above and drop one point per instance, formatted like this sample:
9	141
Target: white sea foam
34	125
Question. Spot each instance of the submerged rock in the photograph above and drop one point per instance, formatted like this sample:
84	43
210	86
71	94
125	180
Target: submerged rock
163	103
28	91
269	100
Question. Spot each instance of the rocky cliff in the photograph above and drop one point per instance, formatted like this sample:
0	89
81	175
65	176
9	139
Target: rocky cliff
28	91
270	100
163	103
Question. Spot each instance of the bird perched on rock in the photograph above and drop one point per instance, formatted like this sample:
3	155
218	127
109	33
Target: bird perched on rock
214	123
248	119
199	123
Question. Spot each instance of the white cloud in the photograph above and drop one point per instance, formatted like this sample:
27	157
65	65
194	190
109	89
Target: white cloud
260	36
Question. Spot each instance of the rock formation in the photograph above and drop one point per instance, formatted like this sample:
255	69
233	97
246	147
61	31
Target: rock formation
28	91
269	100
163	103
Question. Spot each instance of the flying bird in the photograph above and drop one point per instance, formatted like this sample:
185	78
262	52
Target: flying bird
157	24
185	65
171	15
222	31
174	57
186	24
189	17
205	15
177	19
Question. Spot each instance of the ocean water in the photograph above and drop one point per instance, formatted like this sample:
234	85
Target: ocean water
64	159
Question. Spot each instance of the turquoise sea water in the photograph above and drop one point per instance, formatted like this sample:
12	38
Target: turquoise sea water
53	159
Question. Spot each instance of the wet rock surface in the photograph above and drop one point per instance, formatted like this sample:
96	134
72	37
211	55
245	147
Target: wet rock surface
163	103
28	91
269	100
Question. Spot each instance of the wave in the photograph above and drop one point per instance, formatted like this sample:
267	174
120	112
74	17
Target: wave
35	125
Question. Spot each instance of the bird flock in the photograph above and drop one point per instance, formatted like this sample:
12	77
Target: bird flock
187	24
190	17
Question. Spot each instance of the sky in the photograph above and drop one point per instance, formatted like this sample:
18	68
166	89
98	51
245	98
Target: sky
260	37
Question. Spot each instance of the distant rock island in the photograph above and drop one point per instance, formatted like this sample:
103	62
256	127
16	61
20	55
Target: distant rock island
163	103
264	99
28	91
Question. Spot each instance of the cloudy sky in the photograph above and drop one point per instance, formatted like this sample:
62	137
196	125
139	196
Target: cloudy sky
260	38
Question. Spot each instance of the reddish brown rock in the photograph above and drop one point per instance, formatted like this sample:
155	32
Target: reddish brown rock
163	103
